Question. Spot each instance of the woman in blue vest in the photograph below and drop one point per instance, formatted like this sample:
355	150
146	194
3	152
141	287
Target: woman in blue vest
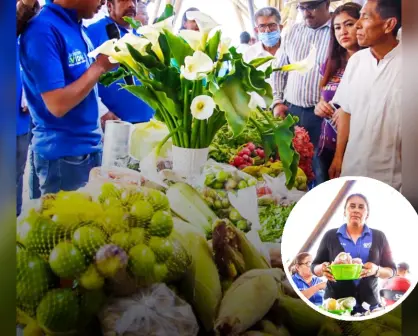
311	286
360	241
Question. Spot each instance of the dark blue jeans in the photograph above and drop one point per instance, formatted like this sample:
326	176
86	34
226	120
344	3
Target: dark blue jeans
22	144
67	173
34	189
312	124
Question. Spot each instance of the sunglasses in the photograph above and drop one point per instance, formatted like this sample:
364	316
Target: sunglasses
310	7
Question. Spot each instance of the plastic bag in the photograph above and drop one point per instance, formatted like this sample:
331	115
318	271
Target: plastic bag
116	174
155	311
231	194
279	191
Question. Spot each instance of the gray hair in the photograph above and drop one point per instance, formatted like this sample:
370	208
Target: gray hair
268	12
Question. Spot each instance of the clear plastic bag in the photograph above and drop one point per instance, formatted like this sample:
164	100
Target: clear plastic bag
116	174
231	193
155	311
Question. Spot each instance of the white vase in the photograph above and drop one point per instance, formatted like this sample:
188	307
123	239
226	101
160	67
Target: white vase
188	162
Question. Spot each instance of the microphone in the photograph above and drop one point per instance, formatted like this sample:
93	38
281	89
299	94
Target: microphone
113	32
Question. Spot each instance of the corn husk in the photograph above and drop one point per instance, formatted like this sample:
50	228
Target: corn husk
270	328
201	285
234	253
301	319
236	313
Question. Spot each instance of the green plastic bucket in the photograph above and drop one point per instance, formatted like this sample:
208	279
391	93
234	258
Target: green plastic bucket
346	271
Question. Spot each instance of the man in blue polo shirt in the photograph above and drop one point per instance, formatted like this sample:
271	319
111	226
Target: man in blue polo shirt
60	83
124	105
22	135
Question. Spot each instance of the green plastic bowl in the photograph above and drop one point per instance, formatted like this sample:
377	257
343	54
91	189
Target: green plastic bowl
346	271
337	312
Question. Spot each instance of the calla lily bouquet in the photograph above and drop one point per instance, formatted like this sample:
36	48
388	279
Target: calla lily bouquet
184	81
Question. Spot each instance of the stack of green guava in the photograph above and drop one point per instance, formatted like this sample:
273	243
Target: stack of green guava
72	245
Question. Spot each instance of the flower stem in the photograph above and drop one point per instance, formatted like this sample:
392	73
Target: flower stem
202	130
186	114
195	129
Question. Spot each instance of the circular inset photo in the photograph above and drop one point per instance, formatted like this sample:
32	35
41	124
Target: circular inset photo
348	248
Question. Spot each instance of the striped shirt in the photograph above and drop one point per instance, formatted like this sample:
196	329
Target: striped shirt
293	87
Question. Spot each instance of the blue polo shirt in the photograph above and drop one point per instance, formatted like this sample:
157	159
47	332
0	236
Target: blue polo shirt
361	248
23	118
121	102
53	55
318	297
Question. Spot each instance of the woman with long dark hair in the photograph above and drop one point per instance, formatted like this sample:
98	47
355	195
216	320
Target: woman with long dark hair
369	246
343	44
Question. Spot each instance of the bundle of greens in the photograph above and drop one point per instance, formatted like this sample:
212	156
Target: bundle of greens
273	219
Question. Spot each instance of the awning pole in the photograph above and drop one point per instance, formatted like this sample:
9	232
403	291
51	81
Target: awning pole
251	11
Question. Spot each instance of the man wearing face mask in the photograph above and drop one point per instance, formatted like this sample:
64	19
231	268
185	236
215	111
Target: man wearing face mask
122	104
295	93
268	31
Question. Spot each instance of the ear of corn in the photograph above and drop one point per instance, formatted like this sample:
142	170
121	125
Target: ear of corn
236	313
189	205
299	318
201	285
234	253
269	327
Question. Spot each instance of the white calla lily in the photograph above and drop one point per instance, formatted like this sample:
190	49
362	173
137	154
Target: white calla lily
203	21
202	107
224	46
256	101
304	65
138	43
107	48
197	66
152	33
205	24
192	37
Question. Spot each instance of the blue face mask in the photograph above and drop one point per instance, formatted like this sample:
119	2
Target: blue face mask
270	39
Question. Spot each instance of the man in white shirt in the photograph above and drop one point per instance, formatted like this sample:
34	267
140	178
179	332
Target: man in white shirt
267	28
244	45
369	125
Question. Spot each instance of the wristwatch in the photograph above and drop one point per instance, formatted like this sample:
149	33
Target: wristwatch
377	272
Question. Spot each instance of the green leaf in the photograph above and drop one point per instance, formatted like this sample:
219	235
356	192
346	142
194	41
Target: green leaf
233	100
283	137
148	61
260	61
168	12
135	24
109	78
144	93
165	47
178	47
269	71
169	104
213	45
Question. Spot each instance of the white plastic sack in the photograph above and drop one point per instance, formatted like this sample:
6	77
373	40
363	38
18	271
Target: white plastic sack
262	248
155	311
